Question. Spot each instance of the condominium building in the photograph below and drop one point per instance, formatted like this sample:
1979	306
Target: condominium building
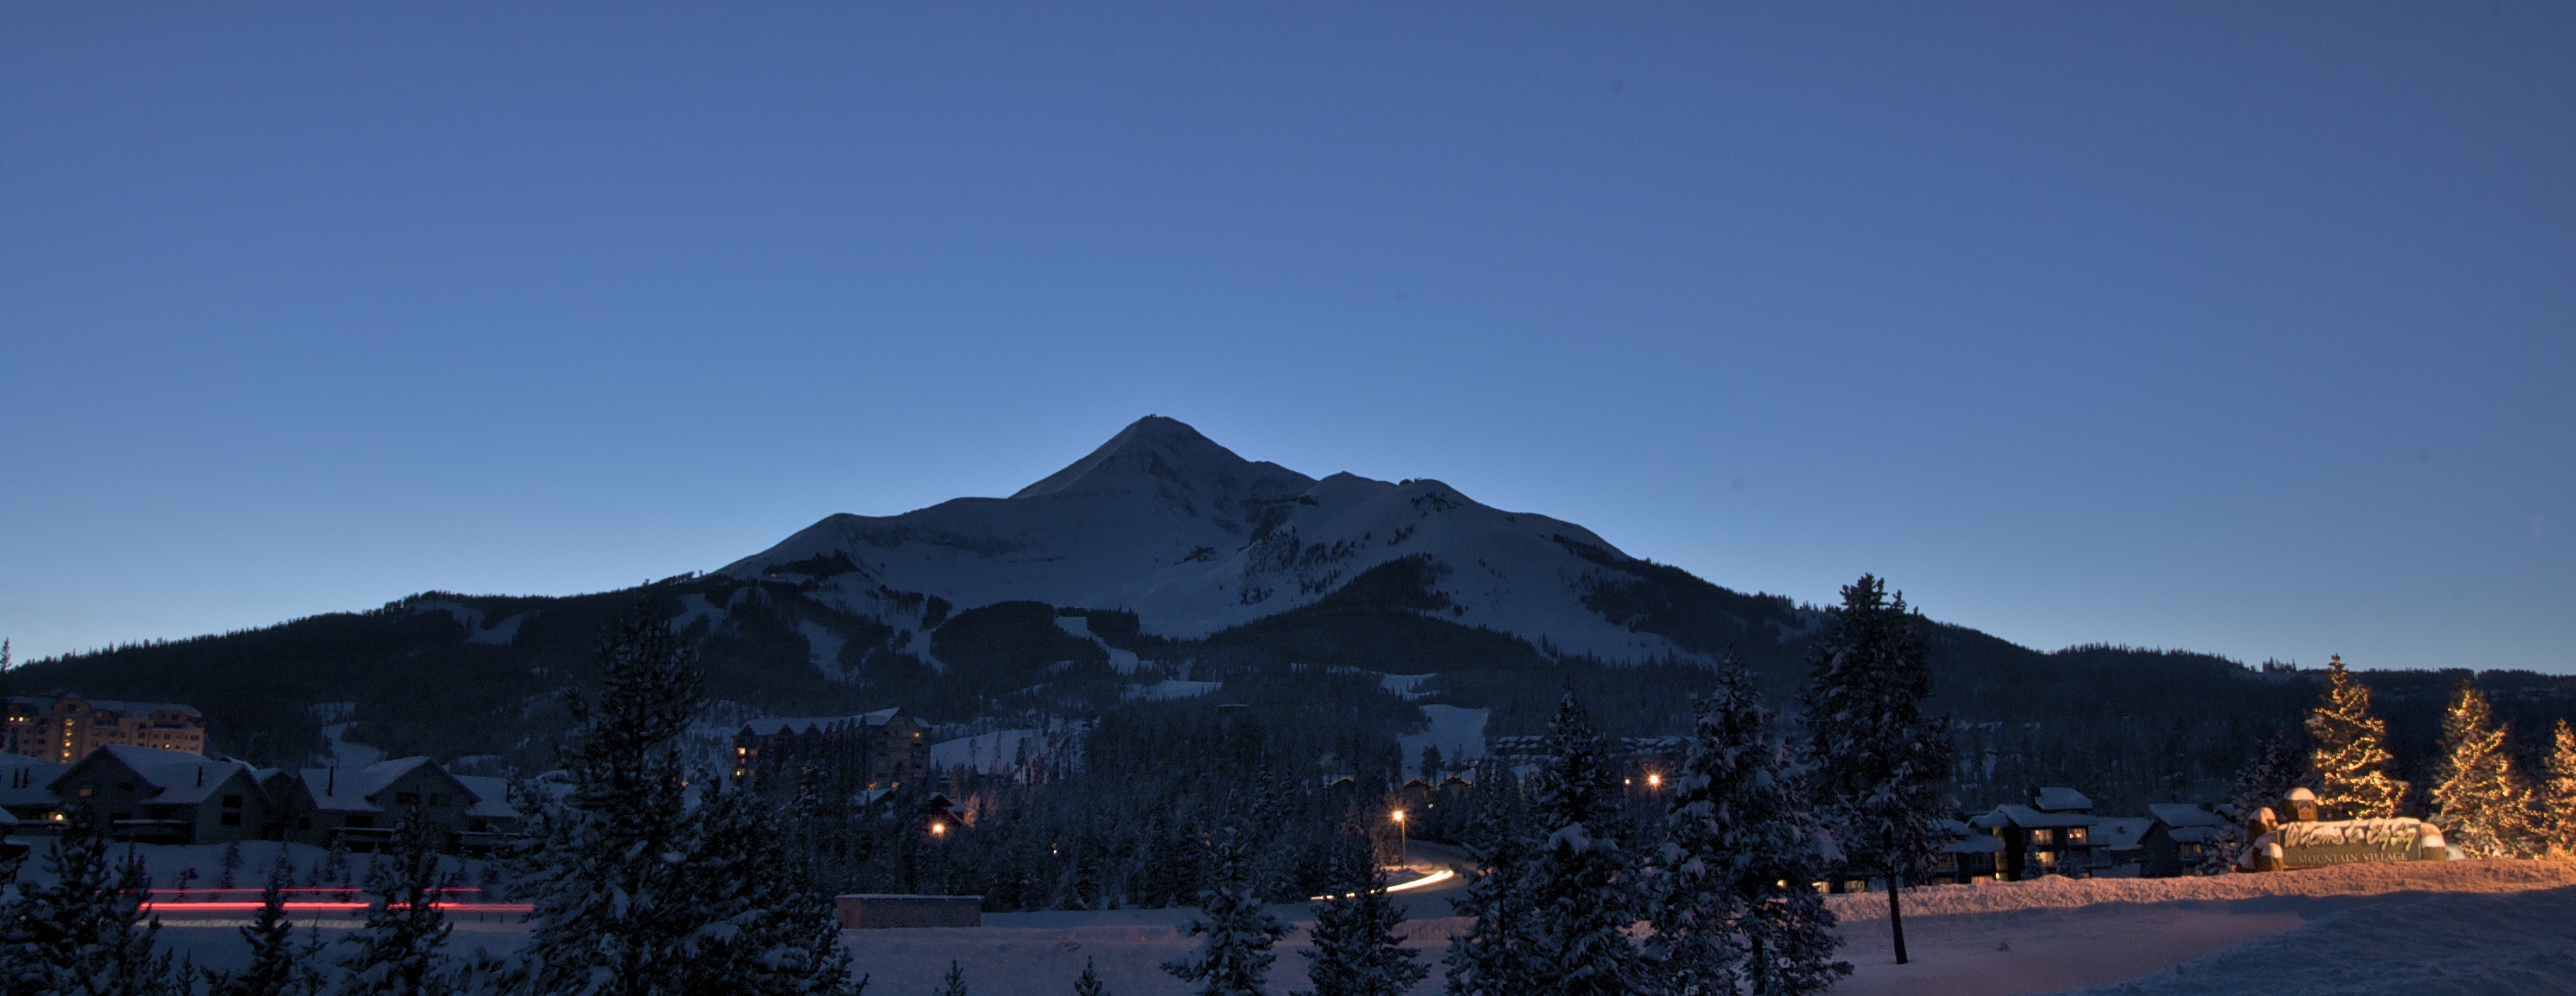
64	729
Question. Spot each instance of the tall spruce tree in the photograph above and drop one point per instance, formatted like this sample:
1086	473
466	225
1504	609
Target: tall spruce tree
85	933
401	948
1498	953
1356	949
2554	817
2350	762
1878	759
635	894
1735	911
1581	894
278	965
2481	805
1235	958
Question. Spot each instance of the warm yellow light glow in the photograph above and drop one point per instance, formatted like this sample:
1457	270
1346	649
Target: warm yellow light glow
1399	816
1654	781
937	829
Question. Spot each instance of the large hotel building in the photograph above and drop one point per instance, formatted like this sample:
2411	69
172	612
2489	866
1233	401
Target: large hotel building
64	729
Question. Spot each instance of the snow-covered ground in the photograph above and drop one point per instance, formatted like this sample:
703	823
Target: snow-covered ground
2484	927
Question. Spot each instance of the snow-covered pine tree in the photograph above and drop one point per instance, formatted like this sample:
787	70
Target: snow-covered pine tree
767	927
85	934
2267	776
1088	983
633	894
1877	757
1734	910
1357	952
953	983
2350	762
1235	959
2555	815
2481	805
278	965
1497	955
1580	886
400	949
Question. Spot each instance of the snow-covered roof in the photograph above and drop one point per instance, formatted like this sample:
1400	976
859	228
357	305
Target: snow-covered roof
1975	843
181	777
2184	814
2301	794
775	725
2121	833
23	780
491	796
2028	818
2059	799
350	789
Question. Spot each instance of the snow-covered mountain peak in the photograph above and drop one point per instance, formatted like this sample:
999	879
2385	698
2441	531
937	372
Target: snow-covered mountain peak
1156	453
1166	523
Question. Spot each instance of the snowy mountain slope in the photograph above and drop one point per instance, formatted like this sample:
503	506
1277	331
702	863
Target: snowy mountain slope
1163	522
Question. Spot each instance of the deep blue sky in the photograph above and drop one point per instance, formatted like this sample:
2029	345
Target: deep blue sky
2244	330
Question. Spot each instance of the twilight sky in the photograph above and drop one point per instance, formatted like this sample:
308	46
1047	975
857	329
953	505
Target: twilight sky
2248	331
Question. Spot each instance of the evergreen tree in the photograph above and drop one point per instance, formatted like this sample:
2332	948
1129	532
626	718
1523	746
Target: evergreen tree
2555	821
1734	909
635	895
231	864
1580	894
953	983
767	924
86	933
1088	983
2260	784
278	965
1235	959
2351	765
1878	758
2481	805
1497	956
399	950
1357	952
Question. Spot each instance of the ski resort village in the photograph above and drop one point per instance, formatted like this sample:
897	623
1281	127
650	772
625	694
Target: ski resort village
1174	721
1257	498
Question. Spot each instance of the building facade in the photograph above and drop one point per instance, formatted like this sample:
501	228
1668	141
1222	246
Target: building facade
67	728
165	797
842	754
358	808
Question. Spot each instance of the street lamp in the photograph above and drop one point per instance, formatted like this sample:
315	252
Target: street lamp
1654	781
1399	838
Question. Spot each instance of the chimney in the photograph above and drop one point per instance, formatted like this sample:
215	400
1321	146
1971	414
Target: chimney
331	784
201	776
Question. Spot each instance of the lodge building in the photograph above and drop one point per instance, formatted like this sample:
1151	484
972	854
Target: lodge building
67	728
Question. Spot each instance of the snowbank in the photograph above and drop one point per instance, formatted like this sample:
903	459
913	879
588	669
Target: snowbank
2341	880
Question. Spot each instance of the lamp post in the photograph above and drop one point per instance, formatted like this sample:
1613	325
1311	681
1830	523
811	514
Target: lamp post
1400	841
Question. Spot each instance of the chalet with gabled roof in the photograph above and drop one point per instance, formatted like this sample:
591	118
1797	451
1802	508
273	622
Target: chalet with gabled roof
152	795
841	754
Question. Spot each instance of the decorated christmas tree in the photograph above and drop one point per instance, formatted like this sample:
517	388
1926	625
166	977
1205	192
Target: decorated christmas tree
2351	764
2478	801
2555	820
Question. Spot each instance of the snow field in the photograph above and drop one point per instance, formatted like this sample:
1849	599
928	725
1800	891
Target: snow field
2486	927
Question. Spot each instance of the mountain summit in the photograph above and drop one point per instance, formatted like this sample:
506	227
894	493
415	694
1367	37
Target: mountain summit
1165	523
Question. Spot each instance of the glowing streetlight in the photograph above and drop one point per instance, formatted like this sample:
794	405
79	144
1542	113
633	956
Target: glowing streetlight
1399	837
1654	781
939	829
